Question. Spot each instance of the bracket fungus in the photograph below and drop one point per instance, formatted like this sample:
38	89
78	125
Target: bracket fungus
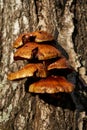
32	69
34	50
60	63
38	36
42	58
52	84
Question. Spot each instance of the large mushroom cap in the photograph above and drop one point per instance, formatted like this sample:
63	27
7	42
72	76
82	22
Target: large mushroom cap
53	84
38	36
29	70
35	50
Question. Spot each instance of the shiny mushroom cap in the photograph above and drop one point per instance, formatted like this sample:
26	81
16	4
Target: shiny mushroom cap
34	50
38	36
52	84
29	70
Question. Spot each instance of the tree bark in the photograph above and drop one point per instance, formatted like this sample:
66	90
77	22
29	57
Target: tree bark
67	21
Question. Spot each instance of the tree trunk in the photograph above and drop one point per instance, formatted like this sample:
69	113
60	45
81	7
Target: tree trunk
66	20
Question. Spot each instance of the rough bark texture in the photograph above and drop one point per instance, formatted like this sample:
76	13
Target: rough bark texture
66	20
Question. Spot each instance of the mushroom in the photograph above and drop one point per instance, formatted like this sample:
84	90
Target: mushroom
42	36
34	50
46	58
60	63
38	36
18	42
27	51
29	70
52	84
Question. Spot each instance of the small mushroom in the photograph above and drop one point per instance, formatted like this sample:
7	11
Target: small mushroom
29	70
42	36
38	36
60	63
34	50
52	84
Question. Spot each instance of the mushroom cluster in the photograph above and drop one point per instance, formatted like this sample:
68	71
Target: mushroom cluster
46	63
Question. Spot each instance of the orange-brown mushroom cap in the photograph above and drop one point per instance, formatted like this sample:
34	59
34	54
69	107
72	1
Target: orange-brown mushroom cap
18	42
29	70
52	84
41	36
60	63
26	52
34	50
37	36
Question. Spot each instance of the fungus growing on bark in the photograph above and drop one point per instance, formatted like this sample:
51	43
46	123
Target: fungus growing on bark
60	63
44	57
34	50
52	84
38	36
32	69
42	36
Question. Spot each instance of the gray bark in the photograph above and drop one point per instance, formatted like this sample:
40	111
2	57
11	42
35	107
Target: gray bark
66	20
